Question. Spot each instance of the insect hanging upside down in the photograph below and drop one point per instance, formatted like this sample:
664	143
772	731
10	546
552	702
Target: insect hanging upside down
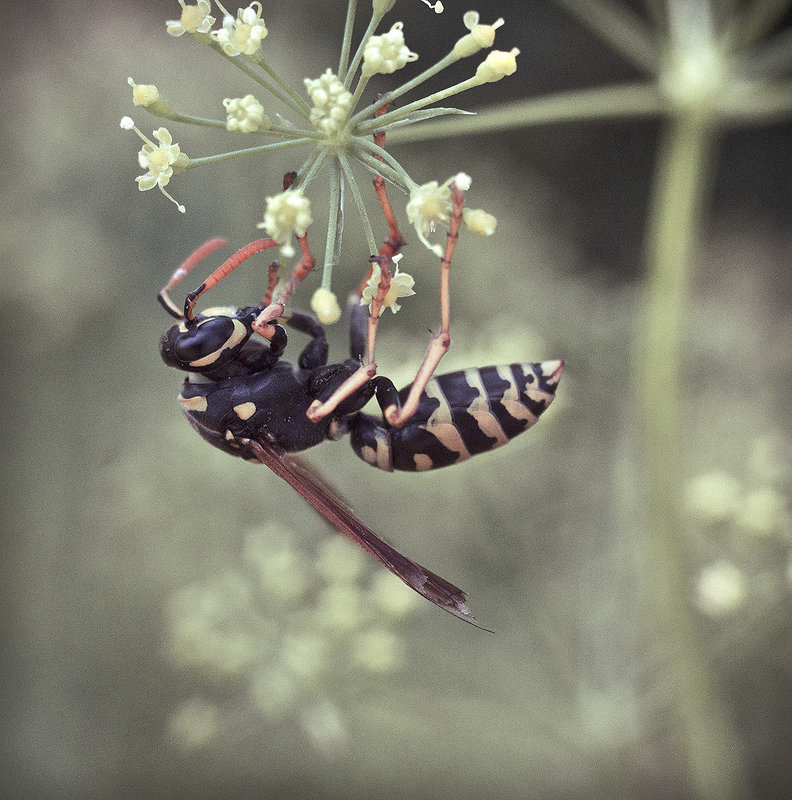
241	397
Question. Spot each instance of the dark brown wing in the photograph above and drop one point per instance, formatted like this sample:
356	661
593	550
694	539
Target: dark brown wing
335	510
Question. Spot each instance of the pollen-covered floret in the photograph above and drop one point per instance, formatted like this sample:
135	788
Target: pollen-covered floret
245	114
479	38
386	53
244	34
497	65
194	19
401	285
287	213
332	102
143	94
159	159
324	304
479	221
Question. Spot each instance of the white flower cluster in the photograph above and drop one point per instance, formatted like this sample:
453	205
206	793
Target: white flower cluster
332	102
245	114
287	213
386	53
329	619
244	34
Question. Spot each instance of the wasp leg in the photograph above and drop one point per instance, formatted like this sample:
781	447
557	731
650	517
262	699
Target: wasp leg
440	342
263	323
314	354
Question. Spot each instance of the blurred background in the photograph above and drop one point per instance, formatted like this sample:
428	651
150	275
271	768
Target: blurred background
180	624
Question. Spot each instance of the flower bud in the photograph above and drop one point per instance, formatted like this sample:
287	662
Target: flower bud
497	65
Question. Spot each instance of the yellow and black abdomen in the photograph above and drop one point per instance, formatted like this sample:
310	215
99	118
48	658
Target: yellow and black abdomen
459	415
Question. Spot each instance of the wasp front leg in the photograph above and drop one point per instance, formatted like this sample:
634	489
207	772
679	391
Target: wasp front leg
439	342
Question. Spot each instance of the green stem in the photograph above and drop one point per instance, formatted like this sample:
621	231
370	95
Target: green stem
373	124
756	20
346	45
245	67
707	741
379	152
312	165
248	151
621	28
259	60
757	103
331	246
379	168
388	97
611	102
358	198
372	26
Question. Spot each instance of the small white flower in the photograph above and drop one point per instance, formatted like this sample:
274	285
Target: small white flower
243	34
194	19
498	64
401	285
245	114
436	7
143	94
287	213
479	221
429	205
157	159
479	38
324	304
332	102
386	53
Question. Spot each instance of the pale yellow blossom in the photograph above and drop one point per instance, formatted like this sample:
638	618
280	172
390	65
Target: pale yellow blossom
245	114
479	221
498	64
194	19
386	53
332	102
244	34
401	285
287	213
480	36
324	304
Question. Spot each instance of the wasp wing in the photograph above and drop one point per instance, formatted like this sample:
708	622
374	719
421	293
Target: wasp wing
306	480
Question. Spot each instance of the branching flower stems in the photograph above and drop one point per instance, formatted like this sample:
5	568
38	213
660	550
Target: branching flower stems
330	122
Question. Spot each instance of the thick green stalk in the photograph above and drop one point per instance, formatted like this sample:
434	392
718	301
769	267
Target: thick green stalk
706	740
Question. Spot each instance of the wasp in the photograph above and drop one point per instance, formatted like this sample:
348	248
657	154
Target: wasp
242	397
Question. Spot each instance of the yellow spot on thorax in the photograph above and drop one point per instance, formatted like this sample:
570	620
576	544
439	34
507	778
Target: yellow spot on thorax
245	410
197	403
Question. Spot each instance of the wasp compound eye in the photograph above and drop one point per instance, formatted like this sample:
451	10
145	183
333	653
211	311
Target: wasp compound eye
204	344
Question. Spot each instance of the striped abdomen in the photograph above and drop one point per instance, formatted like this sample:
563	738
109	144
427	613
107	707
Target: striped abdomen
460	414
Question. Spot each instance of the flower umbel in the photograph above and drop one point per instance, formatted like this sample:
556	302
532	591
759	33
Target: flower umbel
327	117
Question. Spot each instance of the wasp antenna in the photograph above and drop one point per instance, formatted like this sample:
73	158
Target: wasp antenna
228	266
197	255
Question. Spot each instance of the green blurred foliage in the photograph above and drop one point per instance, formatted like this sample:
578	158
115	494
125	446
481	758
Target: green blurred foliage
114	506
